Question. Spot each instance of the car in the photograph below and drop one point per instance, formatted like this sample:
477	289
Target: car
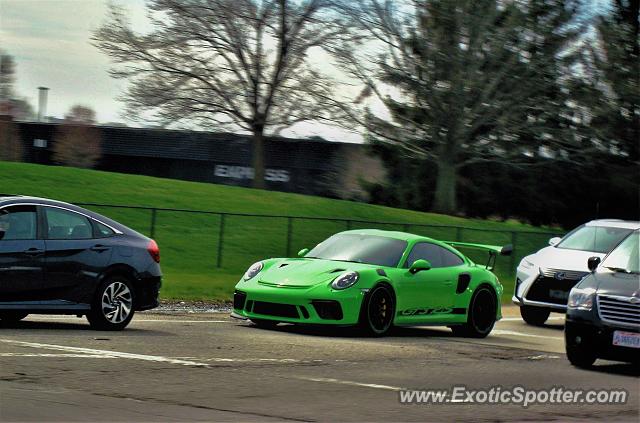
57	258
544	279
603	312
375	279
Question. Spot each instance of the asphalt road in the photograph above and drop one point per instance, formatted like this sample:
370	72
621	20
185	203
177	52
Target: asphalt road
208	367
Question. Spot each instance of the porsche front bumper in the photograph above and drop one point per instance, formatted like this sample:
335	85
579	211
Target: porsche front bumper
303	306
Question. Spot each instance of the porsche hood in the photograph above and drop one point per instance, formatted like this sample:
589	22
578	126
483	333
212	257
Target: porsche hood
303	272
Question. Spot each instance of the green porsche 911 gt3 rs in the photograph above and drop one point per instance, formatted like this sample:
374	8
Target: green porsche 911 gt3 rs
375	279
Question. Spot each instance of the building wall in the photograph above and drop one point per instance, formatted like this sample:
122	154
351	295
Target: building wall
293	165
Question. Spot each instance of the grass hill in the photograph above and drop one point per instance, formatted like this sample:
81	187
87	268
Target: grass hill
189	242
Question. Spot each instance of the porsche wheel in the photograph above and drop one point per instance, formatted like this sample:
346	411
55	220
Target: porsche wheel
378	309
112	308
482	315
264	324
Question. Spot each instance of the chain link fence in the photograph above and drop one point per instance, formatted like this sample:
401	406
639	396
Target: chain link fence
195	240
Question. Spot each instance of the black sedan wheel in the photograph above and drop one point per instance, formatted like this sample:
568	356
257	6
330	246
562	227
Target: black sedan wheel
11	317
482	315
113	306
377	313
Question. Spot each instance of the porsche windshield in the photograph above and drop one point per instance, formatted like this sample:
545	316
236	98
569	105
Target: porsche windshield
594	238
368	249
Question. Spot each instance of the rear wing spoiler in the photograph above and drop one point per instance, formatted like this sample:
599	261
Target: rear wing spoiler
493	250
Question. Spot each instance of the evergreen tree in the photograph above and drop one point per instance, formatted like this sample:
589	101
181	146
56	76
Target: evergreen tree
615	104
476	82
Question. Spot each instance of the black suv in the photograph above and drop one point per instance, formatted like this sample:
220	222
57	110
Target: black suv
603	314
57	258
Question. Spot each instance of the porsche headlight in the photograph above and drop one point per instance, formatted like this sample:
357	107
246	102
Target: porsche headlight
345	280
253	271
581	299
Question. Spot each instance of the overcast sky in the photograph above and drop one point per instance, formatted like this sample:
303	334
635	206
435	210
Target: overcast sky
49	40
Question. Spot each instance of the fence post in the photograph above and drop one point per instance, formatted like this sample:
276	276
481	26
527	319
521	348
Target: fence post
514	238
289	234
220	239
458	233
349	223
152	230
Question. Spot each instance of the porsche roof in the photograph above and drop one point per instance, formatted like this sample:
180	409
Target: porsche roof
404	236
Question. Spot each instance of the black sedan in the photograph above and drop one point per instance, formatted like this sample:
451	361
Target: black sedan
57	258
603	314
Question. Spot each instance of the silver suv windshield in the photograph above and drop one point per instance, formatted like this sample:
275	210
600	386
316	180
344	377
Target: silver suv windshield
626	256
596	239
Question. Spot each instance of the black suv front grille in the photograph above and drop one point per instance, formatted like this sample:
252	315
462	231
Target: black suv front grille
551	290
275	309
619	310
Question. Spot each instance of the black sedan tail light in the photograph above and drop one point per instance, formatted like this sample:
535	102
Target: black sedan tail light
154	251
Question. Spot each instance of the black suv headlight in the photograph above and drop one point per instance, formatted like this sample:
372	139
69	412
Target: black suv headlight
581	299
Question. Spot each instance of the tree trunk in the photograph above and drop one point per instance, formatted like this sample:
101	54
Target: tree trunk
258	158
445	196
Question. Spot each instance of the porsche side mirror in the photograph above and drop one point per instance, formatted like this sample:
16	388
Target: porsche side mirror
593	263
555	241
303	252
419	266
2	232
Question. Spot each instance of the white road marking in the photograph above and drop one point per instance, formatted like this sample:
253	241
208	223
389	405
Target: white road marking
349	382
54	355
180	321
106	353
519	319
77	352
135	320
260	360
527	335
542	357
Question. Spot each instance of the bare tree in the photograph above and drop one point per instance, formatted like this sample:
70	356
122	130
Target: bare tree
77	143
81	114
7	75
226	64
11	148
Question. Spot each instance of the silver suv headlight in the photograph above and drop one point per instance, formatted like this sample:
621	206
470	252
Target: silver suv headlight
527	264
581	299
345	280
